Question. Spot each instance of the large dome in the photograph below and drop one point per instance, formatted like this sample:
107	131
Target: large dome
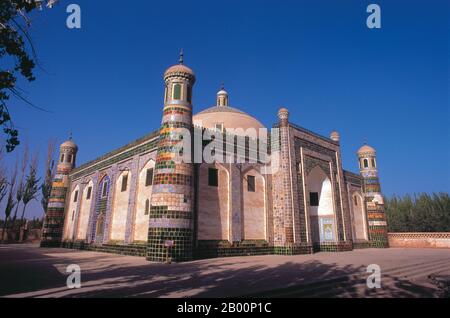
224	117
227	116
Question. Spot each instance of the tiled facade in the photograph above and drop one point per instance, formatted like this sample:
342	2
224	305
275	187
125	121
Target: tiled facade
308	204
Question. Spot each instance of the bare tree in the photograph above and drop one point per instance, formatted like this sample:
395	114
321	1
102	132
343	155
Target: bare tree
50	171
3	179
31	186
3	186
10	203
21	184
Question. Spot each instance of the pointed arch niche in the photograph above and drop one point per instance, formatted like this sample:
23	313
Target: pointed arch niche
359	217
71	213
120	206
254	205
143	199
319	192
213	202
86	202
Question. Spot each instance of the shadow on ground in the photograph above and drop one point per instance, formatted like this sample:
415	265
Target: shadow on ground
37	275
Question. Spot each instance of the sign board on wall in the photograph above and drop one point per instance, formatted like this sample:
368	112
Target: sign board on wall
169	243
326	229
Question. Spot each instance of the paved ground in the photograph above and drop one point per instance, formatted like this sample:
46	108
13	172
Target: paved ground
29	271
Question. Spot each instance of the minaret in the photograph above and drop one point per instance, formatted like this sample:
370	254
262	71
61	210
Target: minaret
54	217
376	215
172	202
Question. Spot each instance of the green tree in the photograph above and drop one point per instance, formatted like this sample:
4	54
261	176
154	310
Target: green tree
15	47
419	213
3	179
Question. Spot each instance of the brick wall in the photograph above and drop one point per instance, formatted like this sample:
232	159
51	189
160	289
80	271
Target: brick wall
419	240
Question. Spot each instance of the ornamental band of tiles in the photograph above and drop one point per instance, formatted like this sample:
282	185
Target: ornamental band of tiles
141	200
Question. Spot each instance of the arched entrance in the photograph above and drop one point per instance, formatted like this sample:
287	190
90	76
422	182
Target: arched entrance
319	191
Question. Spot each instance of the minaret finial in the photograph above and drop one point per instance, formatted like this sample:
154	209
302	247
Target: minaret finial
222	86
181	57
70	135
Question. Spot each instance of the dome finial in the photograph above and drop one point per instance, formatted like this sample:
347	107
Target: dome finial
222	96
181	57
335	136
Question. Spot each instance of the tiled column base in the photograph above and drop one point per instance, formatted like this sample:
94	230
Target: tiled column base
181	250
213	249
361	245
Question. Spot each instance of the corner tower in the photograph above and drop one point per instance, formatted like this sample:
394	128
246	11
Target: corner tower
374	201
55	214
171	226
283	208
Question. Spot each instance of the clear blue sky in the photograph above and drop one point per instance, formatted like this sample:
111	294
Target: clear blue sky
317	58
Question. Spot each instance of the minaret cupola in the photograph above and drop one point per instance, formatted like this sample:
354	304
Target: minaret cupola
222	97
179	80
67	156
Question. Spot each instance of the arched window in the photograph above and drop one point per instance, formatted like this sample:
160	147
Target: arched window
366	163
147	207
213	177
124	183
165	93
355	198
62	157
189	94
373	163
104	189
251	184
149	177
176	91
89	193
